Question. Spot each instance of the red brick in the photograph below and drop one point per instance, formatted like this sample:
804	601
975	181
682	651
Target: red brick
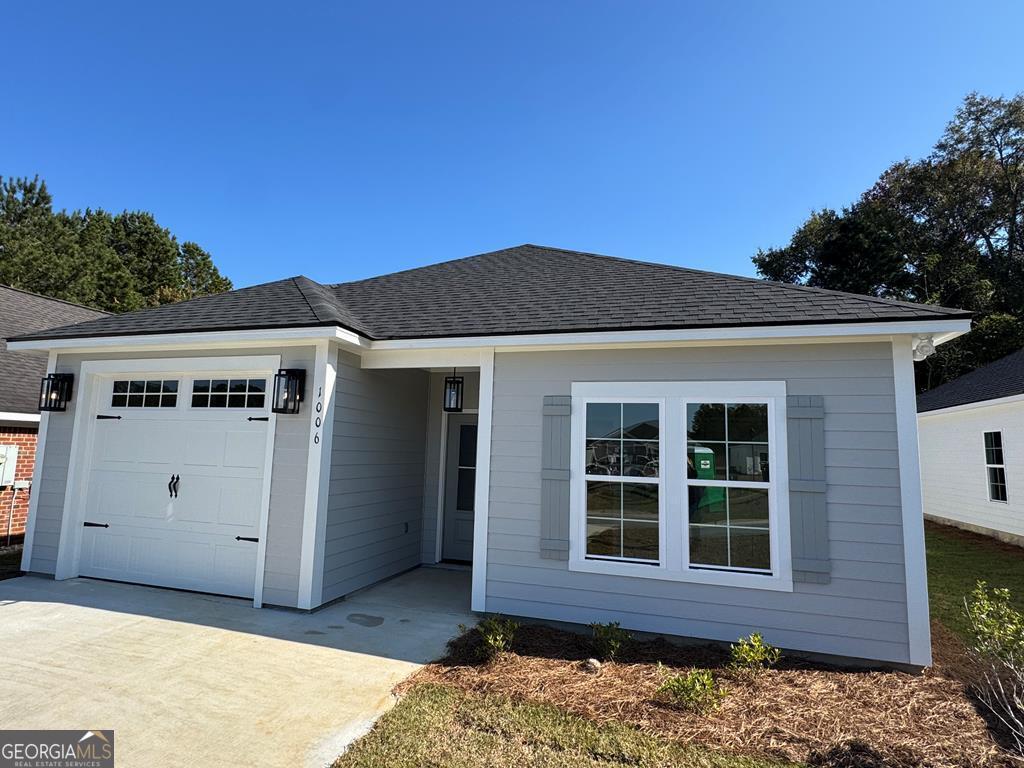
25	439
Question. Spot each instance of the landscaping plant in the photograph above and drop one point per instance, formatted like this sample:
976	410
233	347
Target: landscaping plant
497	634
695	690
609	639
752	655
997	641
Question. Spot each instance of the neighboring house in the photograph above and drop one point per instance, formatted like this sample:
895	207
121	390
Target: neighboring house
603	398
23	312
972	450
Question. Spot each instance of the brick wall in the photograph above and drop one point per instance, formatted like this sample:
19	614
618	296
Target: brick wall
25	439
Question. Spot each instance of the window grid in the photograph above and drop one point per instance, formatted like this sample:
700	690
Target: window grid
144	393
229	393
995	467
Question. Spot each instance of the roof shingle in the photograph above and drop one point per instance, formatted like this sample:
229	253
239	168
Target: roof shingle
1003	378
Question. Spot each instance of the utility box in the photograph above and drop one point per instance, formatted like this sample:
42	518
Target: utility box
8	464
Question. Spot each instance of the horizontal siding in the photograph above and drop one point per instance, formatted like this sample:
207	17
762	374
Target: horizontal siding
375	493
862	612
953	474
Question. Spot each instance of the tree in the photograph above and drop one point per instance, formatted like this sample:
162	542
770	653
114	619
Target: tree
947	230
113	262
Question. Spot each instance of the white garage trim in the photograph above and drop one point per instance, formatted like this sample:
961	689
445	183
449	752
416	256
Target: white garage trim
482	503
37	475
86	407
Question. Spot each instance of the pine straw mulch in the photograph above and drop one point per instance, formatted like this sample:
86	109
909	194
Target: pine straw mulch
801	711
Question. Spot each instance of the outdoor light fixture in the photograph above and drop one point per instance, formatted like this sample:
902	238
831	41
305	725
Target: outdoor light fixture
289	386
55	391
453	393
924	347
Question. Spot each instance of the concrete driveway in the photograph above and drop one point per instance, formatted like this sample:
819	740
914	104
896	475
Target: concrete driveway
189	680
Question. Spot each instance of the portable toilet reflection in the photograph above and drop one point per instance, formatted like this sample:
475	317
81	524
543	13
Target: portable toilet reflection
704	462
702	459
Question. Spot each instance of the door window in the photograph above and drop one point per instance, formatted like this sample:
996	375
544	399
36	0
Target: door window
153	393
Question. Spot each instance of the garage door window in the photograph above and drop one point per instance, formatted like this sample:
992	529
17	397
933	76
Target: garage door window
153	393
229	393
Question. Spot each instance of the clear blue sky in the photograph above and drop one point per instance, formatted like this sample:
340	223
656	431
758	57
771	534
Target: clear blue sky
346	139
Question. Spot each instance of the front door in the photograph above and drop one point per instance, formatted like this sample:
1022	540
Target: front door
460	487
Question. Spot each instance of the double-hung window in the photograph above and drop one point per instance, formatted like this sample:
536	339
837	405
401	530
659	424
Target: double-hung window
683	481
994	466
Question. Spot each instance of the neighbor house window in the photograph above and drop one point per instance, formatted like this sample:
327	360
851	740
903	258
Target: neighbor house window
682	481
994	466
229	393
154	393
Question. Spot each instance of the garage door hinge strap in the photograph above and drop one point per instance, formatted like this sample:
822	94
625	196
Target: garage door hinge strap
259	418
87	524
104	416
245	538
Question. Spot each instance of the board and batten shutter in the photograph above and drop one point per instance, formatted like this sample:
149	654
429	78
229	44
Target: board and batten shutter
554	478
805	417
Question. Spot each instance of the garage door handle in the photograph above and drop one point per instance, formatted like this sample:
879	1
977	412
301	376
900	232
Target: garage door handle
245	538
259	418
172	486
105	416
87	524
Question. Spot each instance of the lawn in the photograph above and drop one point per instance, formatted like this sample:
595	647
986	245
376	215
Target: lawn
957	560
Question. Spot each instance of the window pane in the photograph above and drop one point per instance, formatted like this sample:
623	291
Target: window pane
170	386
153	386
467	445
640	421
604	538
169	401
152	401
237	385
219	385
640	501
748	506
705	421
639	458
604	500
997	483
466	489
137	386
201	385
709	545
749	548
748	461
119	401
257	385
707	505
135	401
604	419
255	401
603	457
200	401
120	387
993	439
218	401
236	401
640	540
705	461
748	422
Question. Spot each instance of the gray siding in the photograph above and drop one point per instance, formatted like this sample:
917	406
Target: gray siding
375	504
287	488
431	480
862	612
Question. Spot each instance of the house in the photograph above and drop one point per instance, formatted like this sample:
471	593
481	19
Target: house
972	450
679	451
23	312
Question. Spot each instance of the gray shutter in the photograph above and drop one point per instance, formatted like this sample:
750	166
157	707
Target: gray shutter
554	478
808	515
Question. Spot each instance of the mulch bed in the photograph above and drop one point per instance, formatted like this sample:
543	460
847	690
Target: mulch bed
800	711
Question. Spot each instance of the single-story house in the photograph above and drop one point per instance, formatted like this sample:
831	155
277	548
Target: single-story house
972	450
509	411
24	312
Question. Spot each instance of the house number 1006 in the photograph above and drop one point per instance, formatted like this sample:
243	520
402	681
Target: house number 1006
318	421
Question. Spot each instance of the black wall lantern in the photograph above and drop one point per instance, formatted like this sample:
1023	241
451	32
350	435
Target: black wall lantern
289	389
453	393
55	391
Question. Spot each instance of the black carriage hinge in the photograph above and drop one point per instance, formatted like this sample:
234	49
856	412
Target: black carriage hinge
105	416
245	538
259	418
87	524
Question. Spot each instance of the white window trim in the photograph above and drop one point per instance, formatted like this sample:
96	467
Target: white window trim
1006	479
672	496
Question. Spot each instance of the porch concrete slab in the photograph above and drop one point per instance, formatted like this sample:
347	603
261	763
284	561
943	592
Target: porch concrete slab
187	679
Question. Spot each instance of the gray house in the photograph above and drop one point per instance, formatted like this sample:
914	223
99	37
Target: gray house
598	439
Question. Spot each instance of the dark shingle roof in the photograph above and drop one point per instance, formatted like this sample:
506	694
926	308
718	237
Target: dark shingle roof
23	312
527	289
1003	378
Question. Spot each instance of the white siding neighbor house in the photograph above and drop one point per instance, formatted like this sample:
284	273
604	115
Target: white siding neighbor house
972	450
597	439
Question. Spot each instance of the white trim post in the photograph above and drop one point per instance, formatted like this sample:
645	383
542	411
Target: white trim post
326	460
37	477
918	627
481	501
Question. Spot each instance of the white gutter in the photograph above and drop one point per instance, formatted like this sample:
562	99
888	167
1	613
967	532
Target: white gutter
995	402
11	416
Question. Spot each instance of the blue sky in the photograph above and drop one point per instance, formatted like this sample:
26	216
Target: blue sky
345	139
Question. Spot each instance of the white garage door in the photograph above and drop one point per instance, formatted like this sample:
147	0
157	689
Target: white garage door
176	480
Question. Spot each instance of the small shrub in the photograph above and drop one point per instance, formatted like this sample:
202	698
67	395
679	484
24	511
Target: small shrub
997	641
752	655
695	690
497	634
609	639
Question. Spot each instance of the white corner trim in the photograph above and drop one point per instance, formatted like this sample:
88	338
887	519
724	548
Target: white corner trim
11	416
326	462
264	523
918	627
37	476
318	398
481	501
994	403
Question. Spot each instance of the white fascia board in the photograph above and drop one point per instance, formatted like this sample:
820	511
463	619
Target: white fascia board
19	418
999	401
204	340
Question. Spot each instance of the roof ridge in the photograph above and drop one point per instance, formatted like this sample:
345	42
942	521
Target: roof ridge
429	266
298	286
55	299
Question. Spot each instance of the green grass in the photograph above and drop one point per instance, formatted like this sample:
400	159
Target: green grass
10	562
440	726
957	560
